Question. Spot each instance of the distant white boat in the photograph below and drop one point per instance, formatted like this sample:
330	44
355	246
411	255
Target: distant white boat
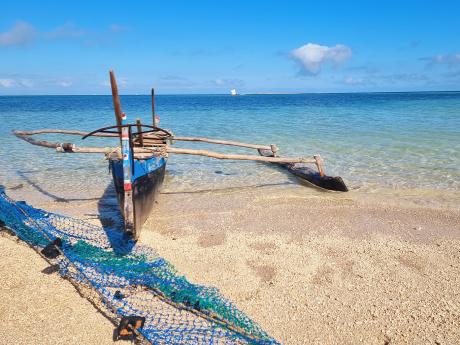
233	92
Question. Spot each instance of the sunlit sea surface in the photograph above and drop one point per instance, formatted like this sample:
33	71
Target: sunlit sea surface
403	142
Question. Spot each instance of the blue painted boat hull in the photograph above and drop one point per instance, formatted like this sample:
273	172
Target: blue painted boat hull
147	178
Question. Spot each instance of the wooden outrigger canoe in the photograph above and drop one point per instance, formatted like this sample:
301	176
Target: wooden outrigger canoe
137	178
138	165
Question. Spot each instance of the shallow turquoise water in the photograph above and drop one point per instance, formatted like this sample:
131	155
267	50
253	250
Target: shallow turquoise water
376	140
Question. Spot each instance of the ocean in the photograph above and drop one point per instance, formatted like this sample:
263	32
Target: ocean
375	141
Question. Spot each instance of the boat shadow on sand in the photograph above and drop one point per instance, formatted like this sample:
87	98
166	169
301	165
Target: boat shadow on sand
108	214
112	222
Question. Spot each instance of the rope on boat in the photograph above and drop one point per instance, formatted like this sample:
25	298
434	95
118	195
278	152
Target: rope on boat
132	280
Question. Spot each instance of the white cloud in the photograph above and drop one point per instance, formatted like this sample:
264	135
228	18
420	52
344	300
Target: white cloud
120	82
20	33
14	82
353	81
450	60
26	82
228	82
172	77
67	30
312	56
390	79
64	83
7	83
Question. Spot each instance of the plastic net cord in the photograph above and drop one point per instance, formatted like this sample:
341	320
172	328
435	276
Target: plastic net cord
80	275
99	268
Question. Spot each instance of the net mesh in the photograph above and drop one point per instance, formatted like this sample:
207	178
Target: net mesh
131	279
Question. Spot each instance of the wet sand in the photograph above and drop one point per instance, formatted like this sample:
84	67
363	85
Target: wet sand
310	267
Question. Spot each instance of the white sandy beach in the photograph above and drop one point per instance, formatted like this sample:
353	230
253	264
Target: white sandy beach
310	267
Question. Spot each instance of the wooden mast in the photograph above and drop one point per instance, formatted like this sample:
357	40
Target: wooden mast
154	121
153	108
126	154
116	99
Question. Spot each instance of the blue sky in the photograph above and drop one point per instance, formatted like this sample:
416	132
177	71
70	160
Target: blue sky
63	47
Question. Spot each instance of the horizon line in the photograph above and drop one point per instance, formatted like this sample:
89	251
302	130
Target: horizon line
268	93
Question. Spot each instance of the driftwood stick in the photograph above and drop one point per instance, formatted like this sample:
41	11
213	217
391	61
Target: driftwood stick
34	141
222	142
319	164
239	157
60	147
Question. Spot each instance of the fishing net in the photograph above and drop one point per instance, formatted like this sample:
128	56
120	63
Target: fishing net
129	279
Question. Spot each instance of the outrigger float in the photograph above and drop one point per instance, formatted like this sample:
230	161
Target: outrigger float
138	164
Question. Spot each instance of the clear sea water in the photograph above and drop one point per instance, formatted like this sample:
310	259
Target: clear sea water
400	141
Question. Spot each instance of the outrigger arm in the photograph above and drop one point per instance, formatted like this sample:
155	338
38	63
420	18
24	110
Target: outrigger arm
72	148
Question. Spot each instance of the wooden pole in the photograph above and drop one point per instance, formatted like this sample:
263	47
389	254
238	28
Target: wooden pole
274	149
153	108
139	131
239	157
32	141
150	142
145	137
72	148
146	150
161	147
105	150
319	165
61	131
116	99
223	142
